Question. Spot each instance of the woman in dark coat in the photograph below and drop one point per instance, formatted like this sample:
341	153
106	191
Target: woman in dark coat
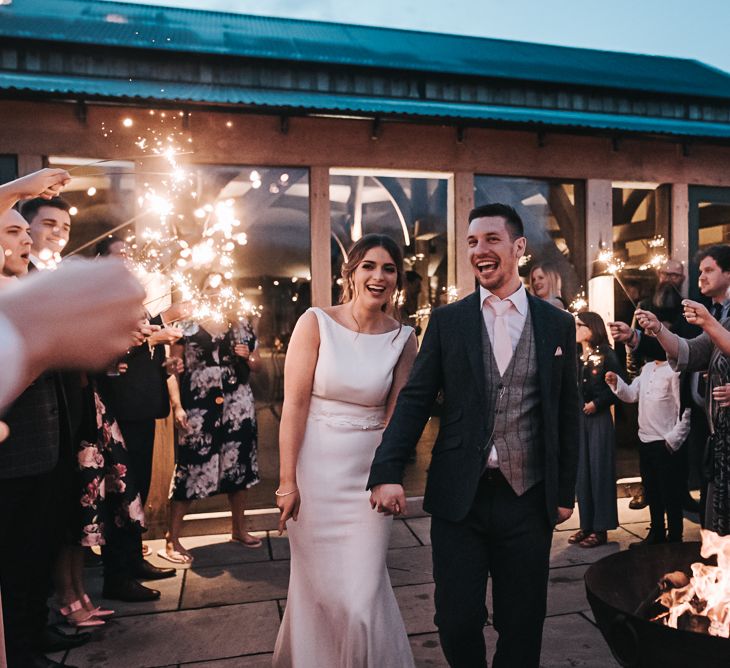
596	483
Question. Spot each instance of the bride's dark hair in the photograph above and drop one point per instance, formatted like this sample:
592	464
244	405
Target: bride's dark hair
355	257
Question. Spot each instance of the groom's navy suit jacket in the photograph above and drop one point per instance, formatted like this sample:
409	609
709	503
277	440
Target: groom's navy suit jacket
451	361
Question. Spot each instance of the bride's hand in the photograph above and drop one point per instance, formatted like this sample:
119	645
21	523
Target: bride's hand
288	505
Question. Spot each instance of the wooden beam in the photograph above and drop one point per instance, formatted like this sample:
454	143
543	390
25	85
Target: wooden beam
599	231
28	163
460	203
680	228
320	226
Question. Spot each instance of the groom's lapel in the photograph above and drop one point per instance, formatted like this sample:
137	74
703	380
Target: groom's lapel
472	332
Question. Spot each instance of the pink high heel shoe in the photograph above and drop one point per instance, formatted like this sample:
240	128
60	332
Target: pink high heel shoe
95	611
88	620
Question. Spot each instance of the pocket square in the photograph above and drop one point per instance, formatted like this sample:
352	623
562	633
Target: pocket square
558	351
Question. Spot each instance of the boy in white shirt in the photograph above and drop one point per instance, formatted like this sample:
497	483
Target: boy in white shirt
662	431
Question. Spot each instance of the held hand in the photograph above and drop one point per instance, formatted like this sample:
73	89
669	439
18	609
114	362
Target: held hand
621	332
611	379
4	431
564	514
388	499
721	395
181	418
648	321
589	408
46	183
288	506
696	314
242	350
122	367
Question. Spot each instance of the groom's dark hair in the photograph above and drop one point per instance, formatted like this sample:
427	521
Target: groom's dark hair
512	219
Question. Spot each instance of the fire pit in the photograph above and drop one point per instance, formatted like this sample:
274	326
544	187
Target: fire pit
621	589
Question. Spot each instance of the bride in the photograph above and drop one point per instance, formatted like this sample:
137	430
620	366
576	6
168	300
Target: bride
344	368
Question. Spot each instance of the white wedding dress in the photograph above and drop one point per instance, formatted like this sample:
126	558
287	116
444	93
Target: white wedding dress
341	611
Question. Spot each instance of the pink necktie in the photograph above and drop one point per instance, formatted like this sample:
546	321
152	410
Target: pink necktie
502	343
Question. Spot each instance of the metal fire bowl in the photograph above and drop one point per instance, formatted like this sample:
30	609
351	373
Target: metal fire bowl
618	584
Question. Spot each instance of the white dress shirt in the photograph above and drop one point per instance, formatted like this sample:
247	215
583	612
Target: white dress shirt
516	316
12	362
656	389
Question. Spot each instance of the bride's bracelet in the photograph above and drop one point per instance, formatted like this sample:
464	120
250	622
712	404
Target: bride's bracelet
278	493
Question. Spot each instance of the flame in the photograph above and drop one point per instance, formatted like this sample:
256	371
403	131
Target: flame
708	592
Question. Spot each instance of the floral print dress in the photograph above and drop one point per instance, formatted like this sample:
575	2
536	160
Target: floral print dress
217	453
108	493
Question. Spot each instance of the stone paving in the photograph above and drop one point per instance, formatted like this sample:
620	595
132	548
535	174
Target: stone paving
224	612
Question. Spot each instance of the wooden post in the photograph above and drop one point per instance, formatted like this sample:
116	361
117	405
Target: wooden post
680	229
29	163
599	230
320	230
460	203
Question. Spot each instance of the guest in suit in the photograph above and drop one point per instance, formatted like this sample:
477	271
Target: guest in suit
504	464
596	485
136	398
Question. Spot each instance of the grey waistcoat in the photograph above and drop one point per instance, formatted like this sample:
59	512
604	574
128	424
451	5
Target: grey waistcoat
515	420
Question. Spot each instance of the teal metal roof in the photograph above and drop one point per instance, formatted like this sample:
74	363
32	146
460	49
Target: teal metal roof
340	104
179	30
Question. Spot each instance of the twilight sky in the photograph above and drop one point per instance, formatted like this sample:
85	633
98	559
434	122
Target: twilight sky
684	28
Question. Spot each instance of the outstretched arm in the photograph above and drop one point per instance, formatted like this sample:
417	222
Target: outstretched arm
696	314
45	183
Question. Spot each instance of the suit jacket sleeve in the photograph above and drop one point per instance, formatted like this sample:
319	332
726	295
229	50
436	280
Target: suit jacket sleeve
569	423
412	410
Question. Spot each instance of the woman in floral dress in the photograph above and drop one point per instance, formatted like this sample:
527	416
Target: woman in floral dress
215	413
107	495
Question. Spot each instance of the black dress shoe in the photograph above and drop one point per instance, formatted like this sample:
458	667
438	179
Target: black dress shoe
53	640
639	501
146	571
129	590
652	538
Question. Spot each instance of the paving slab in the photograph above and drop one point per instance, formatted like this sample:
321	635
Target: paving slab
254	661
410	565
242	583
421	526
279	545
628	516
566	591
416	606
213	550
188	635
169	599
402	536
427	651
562	553
567	640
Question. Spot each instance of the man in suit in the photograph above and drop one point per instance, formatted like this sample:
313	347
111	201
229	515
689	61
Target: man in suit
136	398
504	464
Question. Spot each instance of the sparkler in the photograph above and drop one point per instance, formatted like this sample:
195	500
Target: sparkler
580	303
614	266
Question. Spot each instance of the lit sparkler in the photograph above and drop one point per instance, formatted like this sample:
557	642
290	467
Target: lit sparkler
614	266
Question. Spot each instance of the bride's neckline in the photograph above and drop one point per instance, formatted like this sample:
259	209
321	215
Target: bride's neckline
339	324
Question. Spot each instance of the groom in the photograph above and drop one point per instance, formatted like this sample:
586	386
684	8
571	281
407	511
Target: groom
504	464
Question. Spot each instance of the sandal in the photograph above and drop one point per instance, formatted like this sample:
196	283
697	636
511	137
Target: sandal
86	620
594	540
253	542
95	611
175	557
578	536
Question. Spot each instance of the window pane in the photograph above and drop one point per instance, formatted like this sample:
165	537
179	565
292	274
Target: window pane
410	210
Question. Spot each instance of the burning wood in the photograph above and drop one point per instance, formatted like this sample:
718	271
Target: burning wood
700	603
